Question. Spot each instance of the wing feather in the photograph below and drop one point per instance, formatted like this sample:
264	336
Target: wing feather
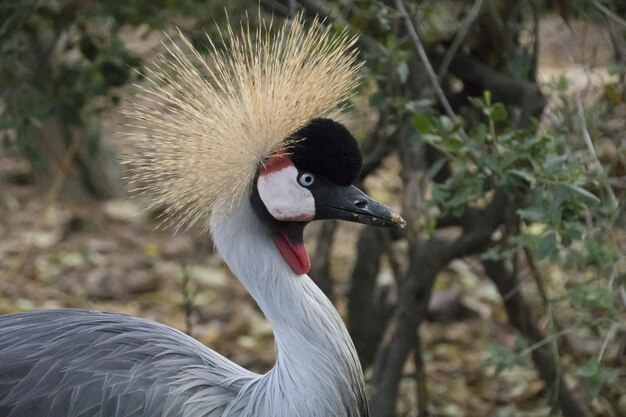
75	363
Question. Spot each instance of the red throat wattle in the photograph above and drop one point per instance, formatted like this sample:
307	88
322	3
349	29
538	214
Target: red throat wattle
294	253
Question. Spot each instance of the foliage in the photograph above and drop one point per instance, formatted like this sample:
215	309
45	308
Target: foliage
565	223
565	214
67	59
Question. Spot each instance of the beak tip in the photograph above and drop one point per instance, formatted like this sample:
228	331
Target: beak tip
398	220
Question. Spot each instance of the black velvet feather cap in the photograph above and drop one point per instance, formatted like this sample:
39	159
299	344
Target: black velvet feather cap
325	147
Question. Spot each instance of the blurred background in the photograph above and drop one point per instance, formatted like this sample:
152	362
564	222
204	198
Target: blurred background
497	127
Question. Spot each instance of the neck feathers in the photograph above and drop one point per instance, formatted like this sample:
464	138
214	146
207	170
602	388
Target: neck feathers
317	372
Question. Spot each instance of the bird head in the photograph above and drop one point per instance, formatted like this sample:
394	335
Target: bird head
313	181
256	119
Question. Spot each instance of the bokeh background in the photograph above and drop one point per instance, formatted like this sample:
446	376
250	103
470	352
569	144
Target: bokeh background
497	127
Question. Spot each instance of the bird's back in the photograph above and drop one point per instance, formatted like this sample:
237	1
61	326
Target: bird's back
78	363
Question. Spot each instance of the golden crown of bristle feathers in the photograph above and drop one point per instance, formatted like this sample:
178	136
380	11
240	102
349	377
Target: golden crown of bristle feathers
203	125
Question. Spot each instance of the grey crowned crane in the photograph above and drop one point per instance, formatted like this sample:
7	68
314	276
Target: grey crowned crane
247	139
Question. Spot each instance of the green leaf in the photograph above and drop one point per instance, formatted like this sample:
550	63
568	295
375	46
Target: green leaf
440	194
570	232
533	214
446	124
555	163
596	376
378	99
458	199
584	195
547	246
560	195
403	71
435	168
416	106
421	123
493	253
431	138
523	174
498	112
476	102
487	95
615	69
454	143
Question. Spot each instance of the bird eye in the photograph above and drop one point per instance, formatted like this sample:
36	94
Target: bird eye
306	179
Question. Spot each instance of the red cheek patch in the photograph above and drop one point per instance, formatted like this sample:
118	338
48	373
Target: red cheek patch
275	164
294	254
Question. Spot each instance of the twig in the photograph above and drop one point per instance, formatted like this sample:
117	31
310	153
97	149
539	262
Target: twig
188	297
16	25
459	38
613	329
65	168
538	279
548	339
520	317
607	339
592	150
608	13
50	199
554	349
394	263
376	148
292	8
322	10
441	96
535	54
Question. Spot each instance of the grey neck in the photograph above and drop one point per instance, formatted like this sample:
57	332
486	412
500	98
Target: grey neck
317	372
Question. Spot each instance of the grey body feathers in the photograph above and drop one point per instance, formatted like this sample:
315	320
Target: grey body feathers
77	363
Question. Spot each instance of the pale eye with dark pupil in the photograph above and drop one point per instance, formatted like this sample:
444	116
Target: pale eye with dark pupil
306	179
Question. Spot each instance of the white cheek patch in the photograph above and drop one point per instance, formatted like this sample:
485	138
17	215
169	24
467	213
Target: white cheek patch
284	198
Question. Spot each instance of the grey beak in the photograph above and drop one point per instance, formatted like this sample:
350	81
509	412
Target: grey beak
351	204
